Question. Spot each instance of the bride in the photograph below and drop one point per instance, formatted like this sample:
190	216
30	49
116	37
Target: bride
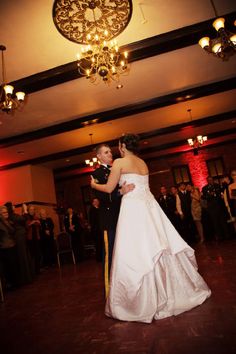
154	271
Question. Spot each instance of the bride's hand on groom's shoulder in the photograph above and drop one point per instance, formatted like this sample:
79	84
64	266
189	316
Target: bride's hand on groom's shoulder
126	188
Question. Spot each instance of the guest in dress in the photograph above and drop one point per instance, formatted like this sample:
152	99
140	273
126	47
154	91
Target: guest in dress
196	211
19	223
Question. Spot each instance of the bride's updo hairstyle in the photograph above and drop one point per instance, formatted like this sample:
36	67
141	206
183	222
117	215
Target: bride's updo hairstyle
131	142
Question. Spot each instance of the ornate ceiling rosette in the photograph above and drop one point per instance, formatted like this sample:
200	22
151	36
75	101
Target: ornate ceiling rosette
75	19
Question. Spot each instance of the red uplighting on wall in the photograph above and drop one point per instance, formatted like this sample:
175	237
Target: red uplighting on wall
198	168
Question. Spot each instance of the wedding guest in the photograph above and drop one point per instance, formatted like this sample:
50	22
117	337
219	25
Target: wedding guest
183	205
33	228
24	266
168	204
47	239
174	193
196	211
232	196
74	228
215	208
225	190
8	254
96	232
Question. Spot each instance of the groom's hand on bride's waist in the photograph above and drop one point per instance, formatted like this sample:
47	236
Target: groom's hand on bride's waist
126	188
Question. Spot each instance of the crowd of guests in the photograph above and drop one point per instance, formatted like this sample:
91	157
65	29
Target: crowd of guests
26	244
209	211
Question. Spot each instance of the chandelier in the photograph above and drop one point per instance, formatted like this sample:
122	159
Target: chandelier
93	161
224	45
102	60
197	141
95	24
9	101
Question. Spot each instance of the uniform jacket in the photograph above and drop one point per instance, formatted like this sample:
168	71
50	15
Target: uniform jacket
109	203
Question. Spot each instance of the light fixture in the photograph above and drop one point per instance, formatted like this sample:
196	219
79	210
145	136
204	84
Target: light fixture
197	141
102	60
95	24
224	45
93	161
9	101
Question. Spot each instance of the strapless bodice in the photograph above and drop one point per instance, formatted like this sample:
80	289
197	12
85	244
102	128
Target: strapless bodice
138	180
141	182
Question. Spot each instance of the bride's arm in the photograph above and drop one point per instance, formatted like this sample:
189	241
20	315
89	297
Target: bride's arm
113	179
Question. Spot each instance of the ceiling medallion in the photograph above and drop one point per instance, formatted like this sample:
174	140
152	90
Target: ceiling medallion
74	19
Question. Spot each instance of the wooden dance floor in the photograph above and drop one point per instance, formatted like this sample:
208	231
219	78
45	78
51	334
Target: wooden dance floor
62	312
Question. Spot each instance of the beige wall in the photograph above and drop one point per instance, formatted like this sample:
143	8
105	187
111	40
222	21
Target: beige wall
16	185
30	184
43	184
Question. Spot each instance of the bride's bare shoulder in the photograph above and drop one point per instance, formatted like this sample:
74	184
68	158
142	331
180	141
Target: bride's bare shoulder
117	162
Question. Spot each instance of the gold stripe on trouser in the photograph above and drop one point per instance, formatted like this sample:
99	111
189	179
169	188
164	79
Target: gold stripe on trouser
106	265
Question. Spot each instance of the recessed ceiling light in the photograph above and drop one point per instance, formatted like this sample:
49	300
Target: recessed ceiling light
119	86
233	121
67	160
145	143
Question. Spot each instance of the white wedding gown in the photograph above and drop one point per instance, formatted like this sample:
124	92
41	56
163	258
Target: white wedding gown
154	271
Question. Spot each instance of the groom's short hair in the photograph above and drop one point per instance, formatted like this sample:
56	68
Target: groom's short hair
98	147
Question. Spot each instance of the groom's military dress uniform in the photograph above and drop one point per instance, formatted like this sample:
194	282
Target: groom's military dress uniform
108	216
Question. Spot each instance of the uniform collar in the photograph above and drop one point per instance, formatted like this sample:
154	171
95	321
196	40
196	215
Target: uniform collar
106	166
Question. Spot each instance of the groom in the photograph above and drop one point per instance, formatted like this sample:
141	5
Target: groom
109	206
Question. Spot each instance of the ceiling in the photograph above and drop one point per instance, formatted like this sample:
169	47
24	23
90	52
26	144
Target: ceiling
169	74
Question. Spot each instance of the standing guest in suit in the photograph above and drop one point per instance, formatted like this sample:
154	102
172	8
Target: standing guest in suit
47	239
215	208
183	205
168	204
96	232
109	206
33	228
73	227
